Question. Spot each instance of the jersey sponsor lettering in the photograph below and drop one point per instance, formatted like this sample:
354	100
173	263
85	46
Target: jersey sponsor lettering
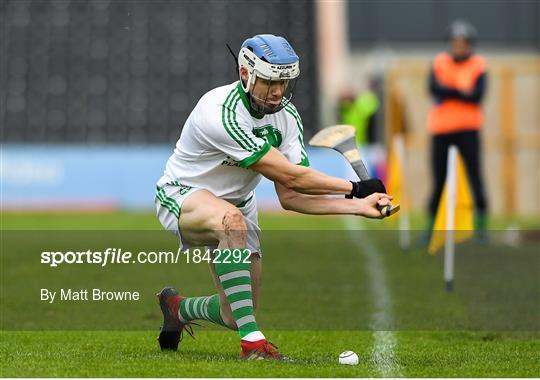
270	134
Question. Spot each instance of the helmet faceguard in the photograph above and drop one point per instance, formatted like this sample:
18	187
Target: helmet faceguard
272	60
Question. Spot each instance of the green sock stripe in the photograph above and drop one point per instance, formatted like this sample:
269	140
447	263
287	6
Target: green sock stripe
238	289
214	310
242	312
245	300
236	281
247	328
239	296
195	308
183	310
200	309
242	303
234	274
206	308
189	306
192	308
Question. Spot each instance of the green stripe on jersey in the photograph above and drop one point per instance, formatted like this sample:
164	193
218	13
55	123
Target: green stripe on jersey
304	162
233	124
294	113
245	100
230	123
248	161
225	119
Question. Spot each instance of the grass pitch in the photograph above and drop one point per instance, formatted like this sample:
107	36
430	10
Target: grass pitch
331	304
215	354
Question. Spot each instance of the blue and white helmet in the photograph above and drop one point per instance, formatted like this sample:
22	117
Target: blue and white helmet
270	58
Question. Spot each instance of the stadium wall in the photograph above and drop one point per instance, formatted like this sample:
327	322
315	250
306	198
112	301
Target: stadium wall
106	177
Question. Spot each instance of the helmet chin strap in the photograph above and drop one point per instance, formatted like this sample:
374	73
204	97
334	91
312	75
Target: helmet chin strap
255	107
252	76
263	109
258	105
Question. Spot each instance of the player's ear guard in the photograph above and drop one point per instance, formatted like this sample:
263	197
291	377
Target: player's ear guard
362	189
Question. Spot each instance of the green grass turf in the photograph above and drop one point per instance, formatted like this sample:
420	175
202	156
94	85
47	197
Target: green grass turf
148	221
275	221
215	354
316	302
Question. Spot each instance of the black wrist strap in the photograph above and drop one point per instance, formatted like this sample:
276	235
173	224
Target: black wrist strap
353	191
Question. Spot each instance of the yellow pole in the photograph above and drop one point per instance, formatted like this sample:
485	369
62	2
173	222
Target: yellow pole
391	103
508	142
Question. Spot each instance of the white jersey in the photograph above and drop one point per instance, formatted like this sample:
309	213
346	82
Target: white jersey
221	140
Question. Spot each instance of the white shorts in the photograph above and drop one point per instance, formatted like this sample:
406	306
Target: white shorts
171	196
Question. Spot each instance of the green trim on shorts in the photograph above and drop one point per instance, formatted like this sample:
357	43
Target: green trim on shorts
248	161
167	202
244	203
183	188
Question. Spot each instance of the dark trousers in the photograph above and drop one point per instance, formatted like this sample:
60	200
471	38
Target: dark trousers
468	144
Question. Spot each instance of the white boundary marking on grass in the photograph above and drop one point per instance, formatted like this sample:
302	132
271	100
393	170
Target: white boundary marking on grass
383	316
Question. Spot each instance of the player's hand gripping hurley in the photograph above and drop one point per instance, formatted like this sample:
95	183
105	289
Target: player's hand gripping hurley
342	139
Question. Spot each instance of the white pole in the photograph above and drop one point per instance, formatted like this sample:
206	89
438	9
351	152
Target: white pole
403	217
451	189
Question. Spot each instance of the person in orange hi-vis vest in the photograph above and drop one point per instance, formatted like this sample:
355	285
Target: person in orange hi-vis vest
457	83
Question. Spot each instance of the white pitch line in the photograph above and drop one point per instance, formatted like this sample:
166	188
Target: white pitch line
382	319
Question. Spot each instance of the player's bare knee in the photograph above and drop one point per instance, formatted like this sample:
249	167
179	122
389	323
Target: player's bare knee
233	220
235	228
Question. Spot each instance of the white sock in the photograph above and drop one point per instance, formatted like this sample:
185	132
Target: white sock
254	336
